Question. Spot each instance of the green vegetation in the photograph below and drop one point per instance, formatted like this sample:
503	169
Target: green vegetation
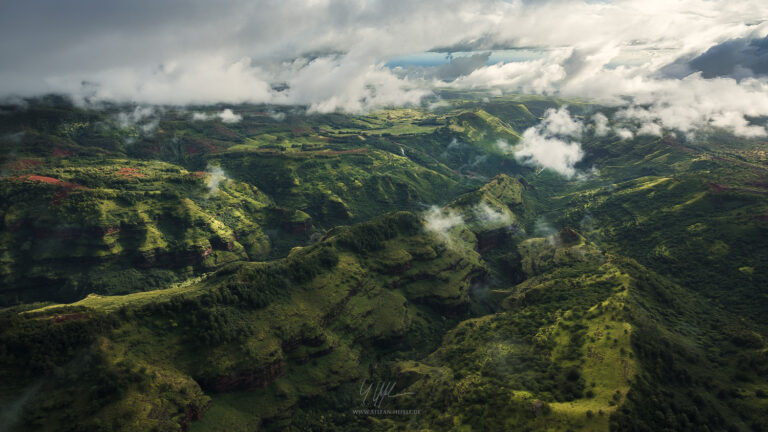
162	273
97	226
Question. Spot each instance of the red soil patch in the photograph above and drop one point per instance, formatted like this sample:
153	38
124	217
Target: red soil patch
718	187
199	146
343	152
761	183
130	173
198	174
63	192
671	141
69	317
301	130
111	230
224	131
60	152
40	179
25	164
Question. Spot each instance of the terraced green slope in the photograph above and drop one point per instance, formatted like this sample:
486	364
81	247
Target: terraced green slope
342	186
284	330
116	226
630	297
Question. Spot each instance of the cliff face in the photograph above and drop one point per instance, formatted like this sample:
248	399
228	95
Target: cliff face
286	330
153	217
250	380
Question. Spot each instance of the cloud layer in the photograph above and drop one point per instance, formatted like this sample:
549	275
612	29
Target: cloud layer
670	63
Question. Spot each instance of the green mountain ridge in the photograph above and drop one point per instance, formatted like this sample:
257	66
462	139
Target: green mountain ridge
211	276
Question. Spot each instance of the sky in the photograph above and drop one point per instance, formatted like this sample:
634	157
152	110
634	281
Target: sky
674	64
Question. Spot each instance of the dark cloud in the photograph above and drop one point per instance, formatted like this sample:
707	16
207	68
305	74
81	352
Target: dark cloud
736	58
461	66
486	42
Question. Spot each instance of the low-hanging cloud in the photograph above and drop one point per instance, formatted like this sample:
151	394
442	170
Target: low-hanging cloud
441	221
215	177
492	217
276	115
143	119
601	124
736	58
447	222
226	116
548	144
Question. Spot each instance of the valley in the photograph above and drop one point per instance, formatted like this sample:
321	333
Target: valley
162	272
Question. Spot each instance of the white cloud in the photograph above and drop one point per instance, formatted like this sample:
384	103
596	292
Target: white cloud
330	55
142	118
545	145
346	84
441	221
492	217
276	115
736	122
226	116
552	153
504	146
215	176
601	124
624	133
200	116
650	128
542	228
560	123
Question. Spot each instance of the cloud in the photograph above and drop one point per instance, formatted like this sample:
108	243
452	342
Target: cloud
142	119
331	55
276	115
542	228
13	138
601	124
539	76
546	144
347	84
215	176
553	153
602	127
650	128
200	116
736	122
457	66
736	58
491	217
11	411
226	116
503	146
694	102
438	104
448	223
559	122
442	221
624	133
